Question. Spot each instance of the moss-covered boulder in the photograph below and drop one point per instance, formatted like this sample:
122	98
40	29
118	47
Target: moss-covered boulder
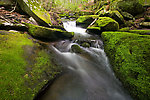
34	9
48	34
93	29
113	14
131	6
141	32
129	55
104	24
85	21
76	49
25	66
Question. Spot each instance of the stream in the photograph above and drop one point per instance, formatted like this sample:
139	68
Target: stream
89	75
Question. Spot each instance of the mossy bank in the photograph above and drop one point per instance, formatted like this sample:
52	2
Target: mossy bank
25	66
129	55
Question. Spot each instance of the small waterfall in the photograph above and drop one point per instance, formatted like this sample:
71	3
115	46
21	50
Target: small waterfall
89	75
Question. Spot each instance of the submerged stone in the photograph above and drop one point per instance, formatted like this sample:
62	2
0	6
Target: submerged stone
85	21
35	10
48	34
130	57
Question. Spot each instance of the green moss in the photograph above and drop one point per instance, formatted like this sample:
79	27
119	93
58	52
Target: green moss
142	32
130	57
12	66
24	67
131	6
85	44
48	34
35	10
125	29
106	24
94	30
86	20
76	48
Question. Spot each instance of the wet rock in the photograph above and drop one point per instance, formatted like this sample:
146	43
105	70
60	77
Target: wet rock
48	34
105	24
36	11
85	44
85	21
131	6
76	48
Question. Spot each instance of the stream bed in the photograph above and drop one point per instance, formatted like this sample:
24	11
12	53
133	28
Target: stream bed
89	75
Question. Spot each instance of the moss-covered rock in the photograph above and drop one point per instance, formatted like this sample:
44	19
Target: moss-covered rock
85	44
125	29
105	24
130	57
131	6
85	21
113	14
95	30
25	67
76	48
141	32
34	9
48	34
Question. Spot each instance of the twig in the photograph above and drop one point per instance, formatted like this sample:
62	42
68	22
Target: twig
14	8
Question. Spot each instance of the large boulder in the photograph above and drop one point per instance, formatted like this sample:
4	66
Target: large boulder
103	24
130	59
131	6
85	21
25	66
48	34
113	14
35	10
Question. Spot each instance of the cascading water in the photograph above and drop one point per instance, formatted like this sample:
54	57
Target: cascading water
88	76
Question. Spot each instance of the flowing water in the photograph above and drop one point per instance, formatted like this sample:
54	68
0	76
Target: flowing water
89	75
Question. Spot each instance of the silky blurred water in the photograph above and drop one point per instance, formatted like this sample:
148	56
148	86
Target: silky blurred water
89	75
